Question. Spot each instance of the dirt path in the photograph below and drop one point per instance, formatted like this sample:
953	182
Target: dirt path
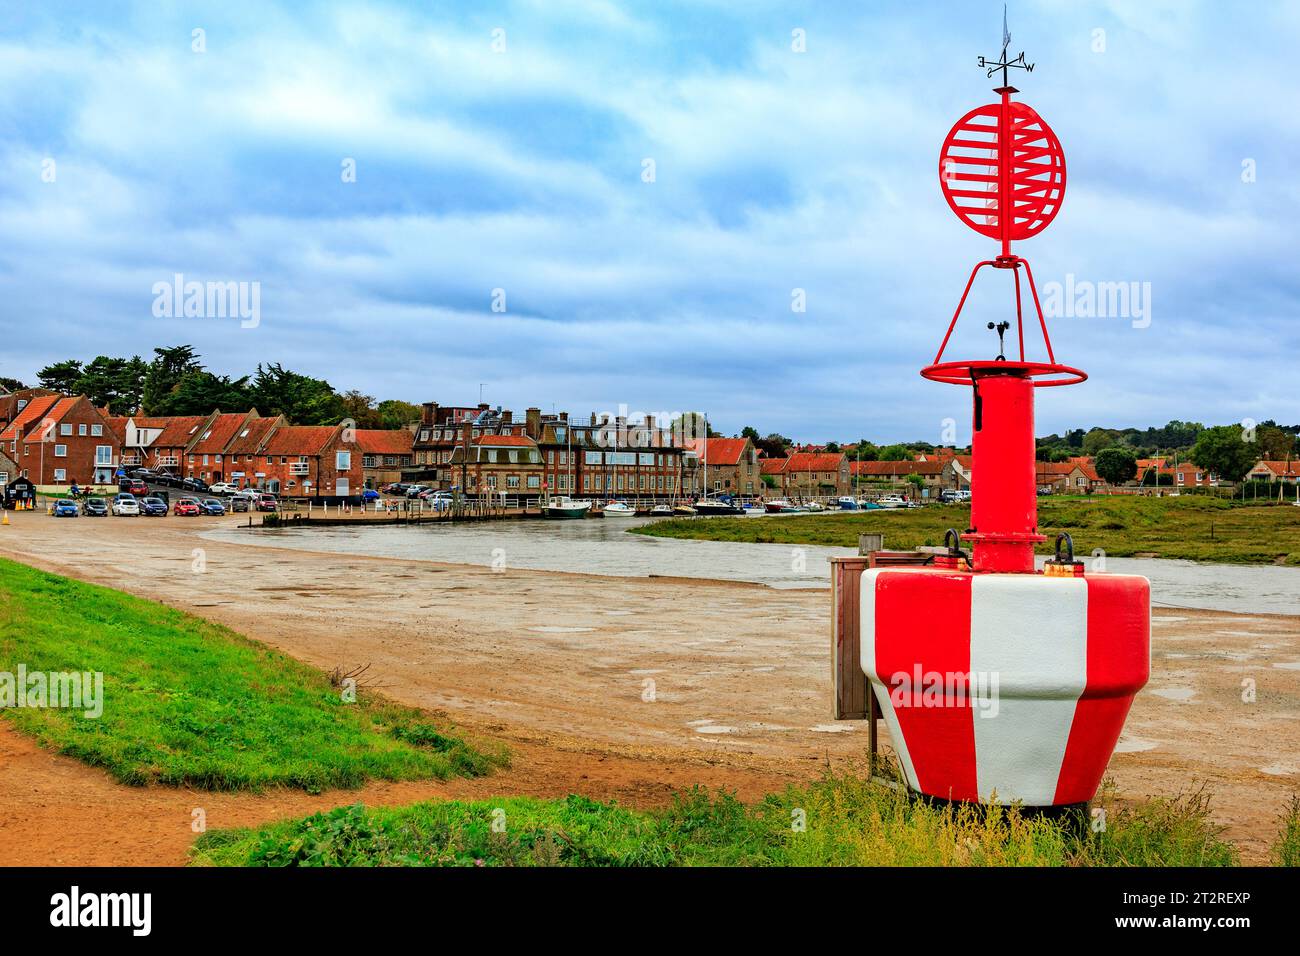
624	688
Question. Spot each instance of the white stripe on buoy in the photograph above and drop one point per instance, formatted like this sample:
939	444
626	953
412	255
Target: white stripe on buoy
1032	632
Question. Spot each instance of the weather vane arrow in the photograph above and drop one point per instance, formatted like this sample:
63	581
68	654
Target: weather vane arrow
1003	63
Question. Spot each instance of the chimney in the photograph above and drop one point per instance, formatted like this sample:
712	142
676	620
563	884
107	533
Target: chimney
429	413
533	423
564	417
507	417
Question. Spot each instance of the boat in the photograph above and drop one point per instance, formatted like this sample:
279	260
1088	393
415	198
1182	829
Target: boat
715	507
619	509
892	501
816	506
754	511
846	503
777	505
566	507
866	504
661	511
683	511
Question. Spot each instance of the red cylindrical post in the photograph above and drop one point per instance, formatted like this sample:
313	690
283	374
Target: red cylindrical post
1004	488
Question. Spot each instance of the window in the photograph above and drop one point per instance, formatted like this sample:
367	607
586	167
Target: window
512	482
103	455
514	457
368	461
65	429
81	431
60	474
97	431
534	481
343	461
60	451
205	459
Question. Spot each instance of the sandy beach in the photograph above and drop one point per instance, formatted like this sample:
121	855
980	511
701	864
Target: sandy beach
623	688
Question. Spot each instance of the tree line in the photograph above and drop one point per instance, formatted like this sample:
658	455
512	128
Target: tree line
175	382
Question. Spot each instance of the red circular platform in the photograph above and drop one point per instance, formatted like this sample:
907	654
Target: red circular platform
964	373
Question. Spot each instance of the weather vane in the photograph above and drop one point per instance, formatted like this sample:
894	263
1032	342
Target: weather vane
1004	64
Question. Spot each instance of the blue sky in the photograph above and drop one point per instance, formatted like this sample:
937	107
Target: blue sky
775	170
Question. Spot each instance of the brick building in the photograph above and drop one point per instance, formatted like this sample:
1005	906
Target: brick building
727	465
58	440
385	454
812	474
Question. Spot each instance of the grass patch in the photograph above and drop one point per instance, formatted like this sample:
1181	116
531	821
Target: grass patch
190	703
1286	852
846	822
1193	527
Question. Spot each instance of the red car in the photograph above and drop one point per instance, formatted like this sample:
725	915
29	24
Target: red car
266	503
133	486
187	507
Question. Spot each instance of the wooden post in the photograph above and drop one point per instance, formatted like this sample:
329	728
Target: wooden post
853	699
867	543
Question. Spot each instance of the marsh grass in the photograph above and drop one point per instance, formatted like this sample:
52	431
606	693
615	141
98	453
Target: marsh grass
838	821
191	703
1192	527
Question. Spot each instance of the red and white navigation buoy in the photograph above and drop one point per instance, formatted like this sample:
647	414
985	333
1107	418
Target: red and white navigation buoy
998	682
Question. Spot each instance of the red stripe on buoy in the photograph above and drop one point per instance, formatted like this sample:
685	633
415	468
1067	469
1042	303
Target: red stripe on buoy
1119	663
939	730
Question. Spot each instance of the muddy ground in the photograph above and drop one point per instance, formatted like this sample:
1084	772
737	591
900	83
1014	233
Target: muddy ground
620	688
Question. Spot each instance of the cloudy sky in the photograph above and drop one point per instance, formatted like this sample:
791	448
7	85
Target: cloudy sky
504	146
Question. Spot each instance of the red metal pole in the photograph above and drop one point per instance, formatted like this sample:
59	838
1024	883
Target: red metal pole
1004	492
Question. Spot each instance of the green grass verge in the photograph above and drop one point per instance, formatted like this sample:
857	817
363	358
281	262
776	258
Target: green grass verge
839	821
1194	527
189	703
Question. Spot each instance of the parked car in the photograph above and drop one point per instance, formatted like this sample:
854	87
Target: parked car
187	507
95	508
267	503
125	505
133	487
396	488
152	506
194	484
414	491
240	503
165	478
223	488
211	506
66	508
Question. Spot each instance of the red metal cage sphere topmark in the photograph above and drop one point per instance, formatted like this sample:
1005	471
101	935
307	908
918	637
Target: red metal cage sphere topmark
1003	156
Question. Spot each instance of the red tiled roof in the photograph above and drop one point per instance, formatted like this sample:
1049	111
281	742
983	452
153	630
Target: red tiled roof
1284	469
299	439
25	420
720	451
179	431
816	461
891	468
385	441
257	429
214	439
506	441
773	466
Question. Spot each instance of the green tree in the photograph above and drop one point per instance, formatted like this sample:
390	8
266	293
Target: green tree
361	409
61	376
1274	443
115	383
751	433
1097	439
1224	451
201	392
895	453
164	374
301	399
11	384
395	413
1115	465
